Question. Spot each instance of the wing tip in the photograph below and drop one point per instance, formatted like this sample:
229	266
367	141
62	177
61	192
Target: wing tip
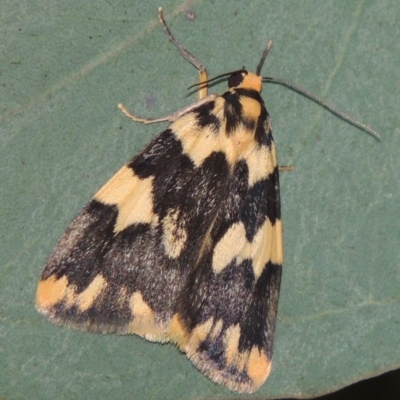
249	380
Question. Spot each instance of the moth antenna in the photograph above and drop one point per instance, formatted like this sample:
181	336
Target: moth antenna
324	104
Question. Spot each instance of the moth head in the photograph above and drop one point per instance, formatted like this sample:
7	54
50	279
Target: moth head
246	80
237	79
242	78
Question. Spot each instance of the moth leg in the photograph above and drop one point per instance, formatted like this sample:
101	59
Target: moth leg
203	77
285	168
188	56
143	120
169	117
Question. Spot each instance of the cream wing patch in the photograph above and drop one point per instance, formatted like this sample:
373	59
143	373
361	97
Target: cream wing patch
258	367
261	162
50	291
231	341
251	108
229	247
132	195
174	233
266	246
199	335
198	143
144	320
86	299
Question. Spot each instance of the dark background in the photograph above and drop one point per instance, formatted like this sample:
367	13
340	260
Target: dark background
386	386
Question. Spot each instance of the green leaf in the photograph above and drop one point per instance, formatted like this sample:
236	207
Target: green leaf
66	65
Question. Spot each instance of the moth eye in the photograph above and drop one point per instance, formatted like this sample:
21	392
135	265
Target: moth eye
236	79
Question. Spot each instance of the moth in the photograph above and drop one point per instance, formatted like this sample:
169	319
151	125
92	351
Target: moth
184	243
